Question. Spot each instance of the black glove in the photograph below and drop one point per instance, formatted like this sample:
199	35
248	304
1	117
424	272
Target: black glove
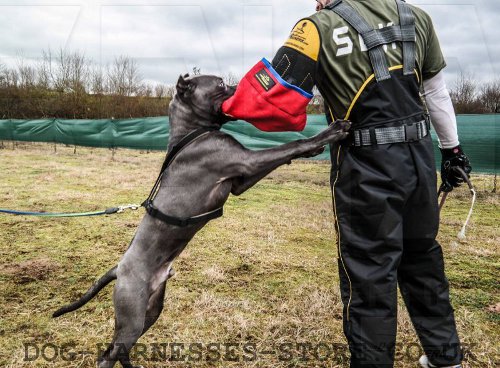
453	158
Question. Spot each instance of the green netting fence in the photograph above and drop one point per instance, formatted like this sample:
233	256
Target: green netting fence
479	135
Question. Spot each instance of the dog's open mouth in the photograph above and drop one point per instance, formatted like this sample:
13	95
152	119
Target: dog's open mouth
221	98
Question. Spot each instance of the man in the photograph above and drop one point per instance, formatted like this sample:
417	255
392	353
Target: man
379	64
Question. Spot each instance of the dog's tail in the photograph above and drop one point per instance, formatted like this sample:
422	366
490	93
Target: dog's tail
93	291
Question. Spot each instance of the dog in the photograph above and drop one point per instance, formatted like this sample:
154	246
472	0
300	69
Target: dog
199	180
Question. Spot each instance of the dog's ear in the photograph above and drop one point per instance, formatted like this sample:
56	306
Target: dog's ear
184	86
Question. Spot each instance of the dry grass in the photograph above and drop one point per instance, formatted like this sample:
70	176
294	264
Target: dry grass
263	277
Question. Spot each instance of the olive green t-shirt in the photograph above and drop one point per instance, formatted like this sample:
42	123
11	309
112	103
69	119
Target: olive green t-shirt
343	62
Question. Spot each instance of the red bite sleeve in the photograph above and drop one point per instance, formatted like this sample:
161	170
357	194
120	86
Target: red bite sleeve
268	102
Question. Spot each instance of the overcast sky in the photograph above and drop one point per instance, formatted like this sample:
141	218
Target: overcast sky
219	36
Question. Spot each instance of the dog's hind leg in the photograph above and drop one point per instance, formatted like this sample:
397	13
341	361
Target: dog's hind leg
156	300
131	297
155	307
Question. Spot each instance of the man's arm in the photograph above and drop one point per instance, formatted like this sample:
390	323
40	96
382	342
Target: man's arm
274	96
445	123
441	110
442	113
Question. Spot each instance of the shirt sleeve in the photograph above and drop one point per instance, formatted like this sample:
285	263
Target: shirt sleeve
433	60
305	39
296	60
441	110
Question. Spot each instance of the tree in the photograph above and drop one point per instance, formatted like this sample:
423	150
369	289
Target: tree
44	71
26	72
231	79
97	81
464	95
490	97
124	77
3	75
160	91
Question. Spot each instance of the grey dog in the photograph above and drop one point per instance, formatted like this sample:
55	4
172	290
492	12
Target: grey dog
199	180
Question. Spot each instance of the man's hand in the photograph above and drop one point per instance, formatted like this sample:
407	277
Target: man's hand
453	158
322	4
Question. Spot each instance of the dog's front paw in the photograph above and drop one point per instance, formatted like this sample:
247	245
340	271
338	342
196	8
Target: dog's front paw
335	132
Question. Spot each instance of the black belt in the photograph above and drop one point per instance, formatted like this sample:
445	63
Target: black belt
388	135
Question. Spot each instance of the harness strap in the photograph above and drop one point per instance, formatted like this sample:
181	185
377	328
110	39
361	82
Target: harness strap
399	134
407	20
171	220
375	39
186	140
377	54
181	222
383	36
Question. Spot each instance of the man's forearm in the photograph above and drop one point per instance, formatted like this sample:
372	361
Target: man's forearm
441	110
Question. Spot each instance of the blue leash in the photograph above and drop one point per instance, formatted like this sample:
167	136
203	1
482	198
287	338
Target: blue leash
108	211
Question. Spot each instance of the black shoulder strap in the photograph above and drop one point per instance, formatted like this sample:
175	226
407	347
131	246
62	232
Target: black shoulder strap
148	203
407	24
187	139
375	39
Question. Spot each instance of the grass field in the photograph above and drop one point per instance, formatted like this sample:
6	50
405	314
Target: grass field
264	277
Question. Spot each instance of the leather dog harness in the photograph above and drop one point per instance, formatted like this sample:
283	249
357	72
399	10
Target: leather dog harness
171	220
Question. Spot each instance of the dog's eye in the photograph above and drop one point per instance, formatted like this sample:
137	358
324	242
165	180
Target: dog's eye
222	84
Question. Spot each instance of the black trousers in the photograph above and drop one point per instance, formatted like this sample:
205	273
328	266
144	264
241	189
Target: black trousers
387	220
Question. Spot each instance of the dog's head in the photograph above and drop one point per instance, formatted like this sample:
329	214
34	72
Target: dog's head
204	95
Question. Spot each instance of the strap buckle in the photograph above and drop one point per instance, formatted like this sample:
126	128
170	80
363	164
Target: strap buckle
411	132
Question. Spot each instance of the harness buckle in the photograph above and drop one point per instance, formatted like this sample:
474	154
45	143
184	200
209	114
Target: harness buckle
411	132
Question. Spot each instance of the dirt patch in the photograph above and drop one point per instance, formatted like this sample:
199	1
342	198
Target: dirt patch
29	271
494	308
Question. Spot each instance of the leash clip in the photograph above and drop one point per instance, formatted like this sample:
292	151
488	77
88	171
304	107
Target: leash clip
133	207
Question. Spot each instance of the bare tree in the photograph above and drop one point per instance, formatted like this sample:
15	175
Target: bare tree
490	96
78	72
464	94
160	91
26	72
44	71
97	81
61	72
171	90
231	79
145	90
84	90
124	77
12	77
196	70
3	75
